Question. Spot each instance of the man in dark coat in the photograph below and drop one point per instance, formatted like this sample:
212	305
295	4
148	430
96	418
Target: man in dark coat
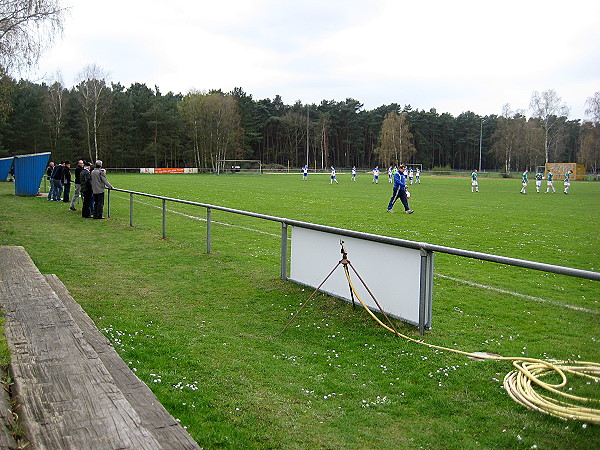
78	170
85	179
66	181
56	180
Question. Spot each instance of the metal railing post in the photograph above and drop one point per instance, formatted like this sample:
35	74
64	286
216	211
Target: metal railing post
284	251
164	218
108	204
131	209
426	285
208	213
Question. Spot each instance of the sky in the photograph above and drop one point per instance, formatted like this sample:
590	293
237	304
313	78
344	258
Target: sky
454	56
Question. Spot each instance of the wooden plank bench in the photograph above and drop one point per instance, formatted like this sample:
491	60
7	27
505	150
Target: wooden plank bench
71	387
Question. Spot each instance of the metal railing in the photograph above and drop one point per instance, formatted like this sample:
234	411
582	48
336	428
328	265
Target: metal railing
423	246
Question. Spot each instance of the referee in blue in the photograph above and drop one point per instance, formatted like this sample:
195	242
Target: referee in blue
399	191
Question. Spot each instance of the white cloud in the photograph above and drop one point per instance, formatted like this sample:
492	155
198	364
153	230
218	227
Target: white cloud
454	56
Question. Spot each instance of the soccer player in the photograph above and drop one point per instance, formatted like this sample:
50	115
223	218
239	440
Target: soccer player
549	183
375	175
474	184
390	174
538	181
411	175
418	176
353	173
567	183
524	182
333	178
399	191
304	173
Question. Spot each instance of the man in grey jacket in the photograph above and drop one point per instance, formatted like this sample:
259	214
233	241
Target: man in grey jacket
99	182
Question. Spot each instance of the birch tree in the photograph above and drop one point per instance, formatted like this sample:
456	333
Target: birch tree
549	108
95	98
593	107
27	28
214	123
56	105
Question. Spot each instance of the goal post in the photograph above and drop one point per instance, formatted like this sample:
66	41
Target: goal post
253	166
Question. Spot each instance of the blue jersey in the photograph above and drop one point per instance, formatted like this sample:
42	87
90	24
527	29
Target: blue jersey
399	180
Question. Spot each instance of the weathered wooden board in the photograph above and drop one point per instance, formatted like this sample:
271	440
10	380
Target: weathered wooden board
66	397
155	418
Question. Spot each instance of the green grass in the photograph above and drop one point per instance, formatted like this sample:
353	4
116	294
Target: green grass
203	330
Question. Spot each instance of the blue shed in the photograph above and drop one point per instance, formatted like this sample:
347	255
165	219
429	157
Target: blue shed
29	170
5	164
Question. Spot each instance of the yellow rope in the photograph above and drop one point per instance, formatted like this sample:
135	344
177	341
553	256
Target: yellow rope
520	383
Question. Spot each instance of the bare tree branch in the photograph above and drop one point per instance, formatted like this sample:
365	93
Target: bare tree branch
27	28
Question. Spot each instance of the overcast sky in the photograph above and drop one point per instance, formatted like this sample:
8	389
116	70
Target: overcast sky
455	56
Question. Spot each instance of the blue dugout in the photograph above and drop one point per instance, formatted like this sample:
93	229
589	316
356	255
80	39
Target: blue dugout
5	164
29	170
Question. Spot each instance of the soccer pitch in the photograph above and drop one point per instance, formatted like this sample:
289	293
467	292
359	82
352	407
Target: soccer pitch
203	331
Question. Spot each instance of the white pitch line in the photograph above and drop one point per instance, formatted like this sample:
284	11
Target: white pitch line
518	294
204	220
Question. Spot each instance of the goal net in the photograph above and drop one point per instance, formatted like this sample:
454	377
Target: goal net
252	166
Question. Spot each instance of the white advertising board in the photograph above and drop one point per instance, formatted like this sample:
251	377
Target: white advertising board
392	273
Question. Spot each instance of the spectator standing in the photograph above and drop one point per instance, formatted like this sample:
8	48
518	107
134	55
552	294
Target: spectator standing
56	180
66	181
85	180
77	193
49	171
99	183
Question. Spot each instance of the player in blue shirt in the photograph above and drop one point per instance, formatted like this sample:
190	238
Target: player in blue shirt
399	191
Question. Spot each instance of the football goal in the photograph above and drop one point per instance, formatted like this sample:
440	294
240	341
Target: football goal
253	166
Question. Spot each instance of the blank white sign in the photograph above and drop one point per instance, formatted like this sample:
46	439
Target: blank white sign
391	273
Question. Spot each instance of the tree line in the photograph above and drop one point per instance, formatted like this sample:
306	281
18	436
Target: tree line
139	126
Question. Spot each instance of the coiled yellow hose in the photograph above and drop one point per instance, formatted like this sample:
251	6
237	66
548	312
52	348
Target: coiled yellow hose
521	382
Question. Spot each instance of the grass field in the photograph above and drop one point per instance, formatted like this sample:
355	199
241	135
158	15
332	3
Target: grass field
203	330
